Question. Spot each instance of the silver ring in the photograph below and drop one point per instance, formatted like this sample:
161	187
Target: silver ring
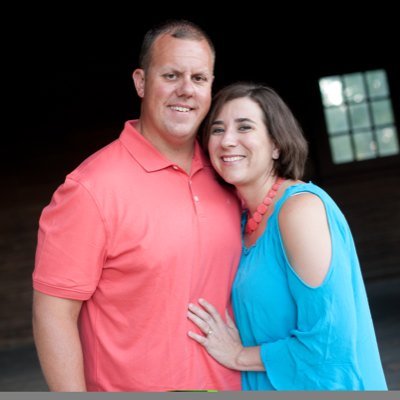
210	332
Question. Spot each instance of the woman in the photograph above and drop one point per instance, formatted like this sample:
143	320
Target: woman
298	298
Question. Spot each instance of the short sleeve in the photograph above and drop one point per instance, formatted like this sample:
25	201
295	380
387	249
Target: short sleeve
71	244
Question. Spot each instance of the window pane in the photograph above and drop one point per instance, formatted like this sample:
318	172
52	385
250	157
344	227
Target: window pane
365	145
336	120
331	91
341	149
359	116
387	141
382	112
354	88
377	83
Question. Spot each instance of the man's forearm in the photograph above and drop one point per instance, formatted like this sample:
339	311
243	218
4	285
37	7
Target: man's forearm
58	343
61	360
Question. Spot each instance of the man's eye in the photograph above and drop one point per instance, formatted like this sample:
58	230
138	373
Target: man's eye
170	76
200	78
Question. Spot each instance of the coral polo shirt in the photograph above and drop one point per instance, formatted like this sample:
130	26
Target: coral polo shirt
137	239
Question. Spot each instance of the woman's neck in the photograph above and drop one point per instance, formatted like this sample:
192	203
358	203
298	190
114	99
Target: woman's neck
253	194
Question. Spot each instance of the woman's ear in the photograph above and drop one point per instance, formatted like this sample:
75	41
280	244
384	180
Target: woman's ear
275	153
139	80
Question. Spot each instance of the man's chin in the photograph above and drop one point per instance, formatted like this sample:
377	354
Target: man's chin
183	131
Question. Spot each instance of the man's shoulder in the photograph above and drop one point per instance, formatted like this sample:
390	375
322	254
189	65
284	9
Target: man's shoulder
100	163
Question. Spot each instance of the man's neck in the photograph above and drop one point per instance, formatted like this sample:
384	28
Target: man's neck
180	154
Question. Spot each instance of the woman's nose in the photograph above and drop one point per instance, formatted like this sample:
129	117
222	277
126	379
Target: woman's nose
229	138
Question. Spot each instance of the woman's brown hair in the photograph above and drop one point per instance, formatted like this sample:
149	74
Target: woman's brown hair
281	125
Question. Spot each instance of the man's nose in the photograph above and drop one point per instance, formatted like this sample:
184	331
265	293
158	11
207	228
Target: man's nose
185	87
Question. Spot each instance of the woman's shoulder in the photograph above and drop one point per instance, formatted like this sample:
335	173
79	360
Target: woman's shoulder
311	194
302	202
295	187
305	233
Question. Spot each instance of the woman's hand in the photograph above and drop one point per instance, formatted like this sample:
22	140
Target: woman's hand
222	339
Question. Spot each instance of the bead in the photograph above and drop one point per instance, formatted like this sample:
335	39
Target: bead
254	221
252	225
267	201
257	217
262	209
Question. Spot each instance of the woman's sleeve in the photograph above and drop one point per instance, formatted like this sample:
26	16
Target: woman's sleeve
319	353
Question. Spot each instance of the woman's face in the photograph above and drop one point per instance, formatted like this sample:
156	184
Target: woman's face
240	146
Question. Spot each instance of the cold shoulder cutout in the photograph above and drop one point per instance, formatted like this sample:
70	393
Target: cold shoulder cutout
309	251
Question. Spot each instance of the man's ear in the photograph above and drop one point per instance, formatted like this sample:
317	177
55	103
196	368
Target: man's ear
138	79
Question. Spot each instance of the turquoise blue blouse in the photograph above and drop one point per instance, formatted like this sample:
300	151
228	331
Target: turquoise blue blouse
318	338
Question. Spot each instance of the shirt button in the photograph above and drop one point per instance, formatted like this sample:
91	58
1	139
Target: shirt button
196	198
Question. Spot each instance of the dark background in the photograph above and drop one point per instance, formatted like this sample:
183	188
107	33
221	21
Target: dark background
67	91
71	86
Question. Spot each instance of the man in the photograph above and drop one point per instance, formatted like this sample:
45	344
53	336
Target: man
138	231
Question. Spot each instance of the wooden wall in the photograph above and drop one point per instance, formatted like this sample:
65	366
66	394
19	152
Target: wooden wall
70	87
371	204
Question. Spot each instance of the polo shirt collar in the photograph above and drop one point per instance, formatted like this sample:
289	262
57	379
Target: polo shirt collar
148	156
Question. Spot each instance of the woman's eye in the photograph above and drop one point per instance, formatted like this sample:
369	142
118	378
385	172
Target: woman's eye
216	131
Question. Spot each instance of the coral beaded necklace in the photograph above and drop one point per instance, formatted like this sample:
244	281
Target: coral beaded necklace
254	221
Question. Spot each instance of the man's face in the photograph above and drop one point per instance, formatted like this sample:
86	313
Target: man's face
175	90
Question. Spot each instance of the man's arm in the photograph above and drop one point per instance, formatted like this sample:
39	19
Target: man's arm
55	329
